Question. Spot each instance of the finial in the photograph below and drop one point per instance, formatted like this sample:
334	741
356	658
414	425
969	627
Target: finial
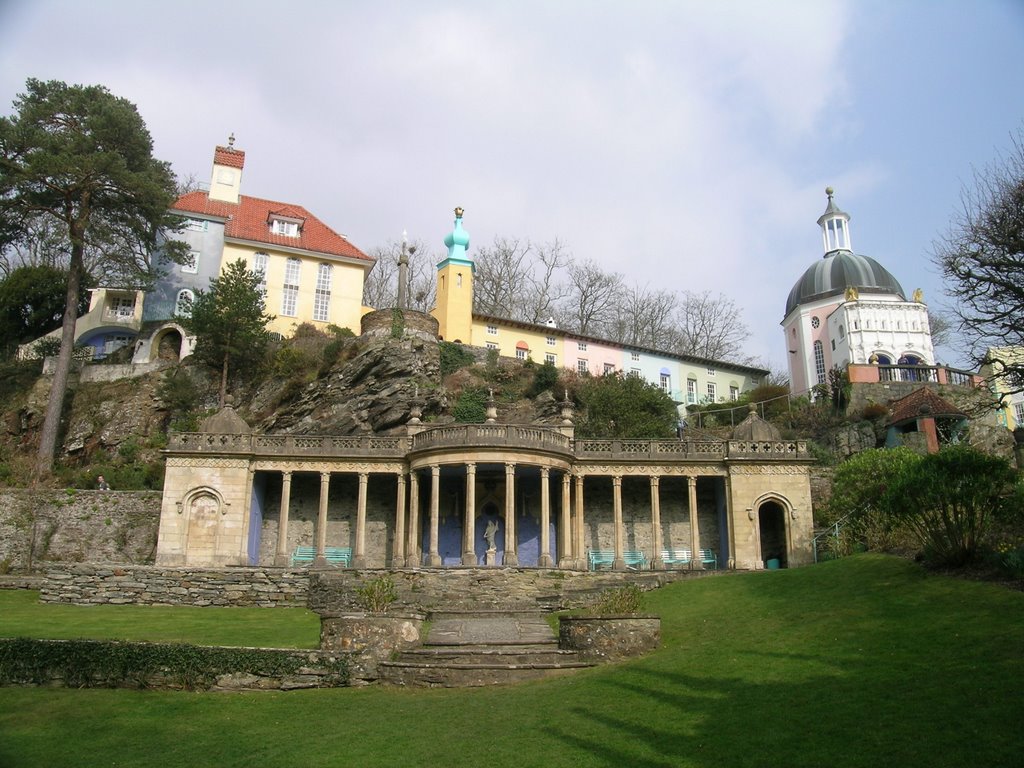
458	212
231	140
405	237
829	191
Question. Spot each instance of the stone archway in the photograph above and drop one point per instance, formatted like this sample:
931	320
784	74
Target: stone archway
772	534
203	528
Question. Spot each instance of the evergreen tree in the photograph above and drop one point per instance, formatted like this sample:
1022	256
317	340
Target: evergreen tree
625	407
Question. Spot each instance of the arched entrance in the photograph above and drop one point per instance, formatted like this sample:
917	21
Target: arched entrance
771	522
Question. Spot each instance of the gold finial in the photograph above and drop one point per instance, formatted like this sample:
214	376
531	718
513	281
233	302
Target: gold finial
918	296
829	191
458	212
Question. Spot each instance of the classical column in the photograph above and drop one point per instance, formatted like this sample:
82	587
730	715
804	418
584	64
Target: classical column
398	548
412	551
545	518
580	545
469	527
359	556
282	557
434	558
656	562
695	563
511	554
565	526
321	522
619	564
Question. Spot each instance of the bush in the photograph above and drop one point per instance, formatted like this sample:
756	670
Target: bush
471	407
545	378
453	357
619	601
377	594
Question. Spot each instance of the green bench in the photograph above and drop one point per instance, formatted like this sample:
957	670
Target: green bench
684	556
341	556
605	558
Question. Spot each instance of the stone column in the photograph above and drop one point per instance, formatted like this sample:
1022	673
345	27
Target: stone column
580	545
469	527
619	564
656	562
545	518
565	526
412	551
398	548
511	554
434	557
359	556
695	563
321	521
282	557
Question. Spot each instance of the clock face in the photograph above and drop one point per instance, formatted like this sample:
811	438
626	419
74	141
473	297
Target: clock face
815	322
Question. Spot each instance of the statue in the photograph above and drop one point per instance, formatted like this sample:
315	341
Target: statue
490	532
851	293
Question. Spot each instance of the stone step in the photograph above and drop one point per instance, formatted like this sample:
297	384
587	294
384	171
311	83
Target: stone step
463	675
481	655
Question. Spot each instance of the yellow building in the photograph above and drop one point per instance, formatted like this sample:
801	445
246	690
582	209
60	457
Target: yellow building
1011	411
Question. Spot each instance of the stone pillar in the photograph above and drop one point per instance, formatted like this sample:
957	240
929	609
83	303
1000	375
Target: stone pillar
359	556
282	557
619	564
321	521
469	527
565	526
656	562
580	545
412	551
511	553
398	548
545	518
695	563
434	557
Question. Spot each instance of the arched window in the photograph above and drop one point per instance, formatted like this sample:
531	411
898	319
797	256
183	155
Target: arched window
183	304
819	362
842	332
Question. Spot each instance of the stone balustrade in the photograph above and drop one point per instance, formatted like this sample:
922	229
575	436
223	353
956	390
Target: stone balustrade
493	435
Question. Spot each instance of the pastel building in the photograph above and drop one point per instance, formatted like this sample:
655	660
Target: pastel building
847	308
1011	410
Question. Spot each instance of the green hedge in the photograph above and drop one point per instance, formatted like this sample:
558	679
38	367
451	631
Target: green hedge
114	664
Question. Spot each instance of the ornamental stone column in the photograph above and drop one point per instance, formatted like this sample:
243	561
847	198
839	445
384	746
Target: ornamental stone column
545	518
359	556
412	551
565	526
619	563
398	550
321	521
281	558
434	557
511	557
469	527
580	548
695	563
656	562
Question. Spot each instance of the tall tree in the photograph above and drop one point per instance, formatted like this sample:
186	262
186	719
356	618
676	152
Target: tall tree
229	321
593	294
620	406
516	278
380	289
32	303
710	326
982	261
83	157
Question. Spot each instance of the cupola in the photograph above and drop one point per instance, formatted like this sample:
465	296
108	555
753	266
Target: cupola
835	226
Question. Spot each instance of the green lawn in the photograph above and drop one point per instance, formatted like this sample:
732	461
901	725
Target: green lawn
866	661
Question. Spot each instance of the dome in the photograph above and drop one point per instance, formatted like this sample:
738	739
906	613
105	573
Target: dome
839	270
756	429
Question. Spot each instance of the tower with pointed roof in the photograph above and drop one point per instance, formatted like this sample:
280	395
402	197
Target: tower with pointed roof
847	308
454	307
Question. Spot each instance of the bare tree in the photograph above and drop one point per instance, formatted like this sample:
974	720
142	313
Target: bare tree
502	276
645	317
589	307
710	326
380	288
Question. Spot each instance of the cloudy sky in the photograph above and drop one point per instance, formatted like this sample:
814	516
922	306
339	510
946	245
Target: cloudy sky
684	144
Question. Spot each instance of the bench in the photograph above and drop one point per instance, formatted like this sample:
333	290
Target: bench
605	558
684	556
334	555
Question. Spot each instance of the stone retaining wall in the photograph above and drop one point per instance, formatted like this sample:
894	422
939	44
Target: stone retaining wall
147	585
609	638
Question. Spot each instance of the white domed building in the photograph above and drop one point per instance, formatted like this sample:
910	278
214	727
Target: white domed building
847	308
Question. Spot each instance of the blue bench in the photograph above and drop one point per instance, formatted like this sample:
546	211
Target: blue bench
334	555
685	556
605	558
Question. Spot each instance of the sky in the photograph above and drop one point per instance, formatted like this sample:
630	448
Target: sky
685	145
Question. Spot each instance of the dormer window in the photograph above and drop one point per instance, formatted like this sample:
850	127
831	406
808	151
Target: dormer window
284	227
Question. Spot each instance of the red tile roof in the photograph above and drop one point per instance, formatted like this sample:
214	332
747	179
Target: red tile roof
229	156
250	218
922	403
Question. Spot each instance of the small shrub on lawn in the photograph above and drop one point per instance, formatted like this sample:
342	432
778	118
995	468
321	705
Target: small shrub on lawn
619	601
377	595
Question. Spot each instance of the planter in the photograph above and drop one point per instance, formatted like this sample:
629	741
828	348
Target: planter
609	638
370	637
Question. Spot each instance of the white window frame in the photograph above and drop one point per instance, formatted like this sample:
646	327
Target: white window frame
178	309
550	358
196	225
492	345
634	373
691	391
521	354
492	330
734	393
819	361
322	295
711	371
665	382
582	366
634	356
290	289
284	228
1018	412
581	346
550	340
712	392
191	266
260	263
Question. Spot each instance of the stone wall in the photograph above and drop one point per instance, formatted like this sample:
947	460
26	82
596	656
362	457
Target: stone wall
148	585
73	526
609	638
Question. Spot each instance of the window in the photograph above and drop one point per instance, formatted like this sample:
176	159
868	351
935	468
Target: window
458	279
192	264
691	390
290	292
1018	413
819	362
712	392
833	345
492	330
196	225
259	267
634	373
286	228
122	307
734	393
113	342
322	297
711	371
550	341
842	332
666	383
582	346
183	304
815	322
609	368
634	356
521	354
582	366
549	358
492	345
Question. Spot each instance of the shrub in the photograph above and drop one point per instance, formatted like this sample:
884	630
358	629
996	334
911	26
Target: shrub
377	595
619	601
545	378
453	357
471	407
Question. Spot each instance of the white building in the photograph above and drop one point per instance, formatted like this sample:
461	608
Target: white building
847	308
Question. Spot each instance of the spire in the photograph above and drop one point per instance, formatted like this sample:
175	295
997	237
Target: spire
458	239
835	227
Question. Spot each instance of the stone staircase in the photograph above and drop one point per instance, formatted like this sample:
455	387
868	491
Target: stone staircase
482	647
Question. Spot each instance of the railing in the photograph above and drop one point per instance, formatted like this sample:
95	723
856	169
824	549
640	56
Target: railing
935	374
496	435
113	316
772	449
651	449
290	445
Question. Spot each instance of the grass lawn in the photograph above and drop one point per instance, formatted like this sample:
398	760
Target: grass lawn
866	661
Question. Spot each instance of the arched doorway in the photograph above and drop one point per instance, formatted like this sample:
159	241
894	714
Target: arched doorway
771	521
168	346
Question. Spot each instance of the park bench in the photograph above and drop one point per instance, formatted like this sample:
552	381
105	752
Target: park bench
672	557
605	558
334	555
